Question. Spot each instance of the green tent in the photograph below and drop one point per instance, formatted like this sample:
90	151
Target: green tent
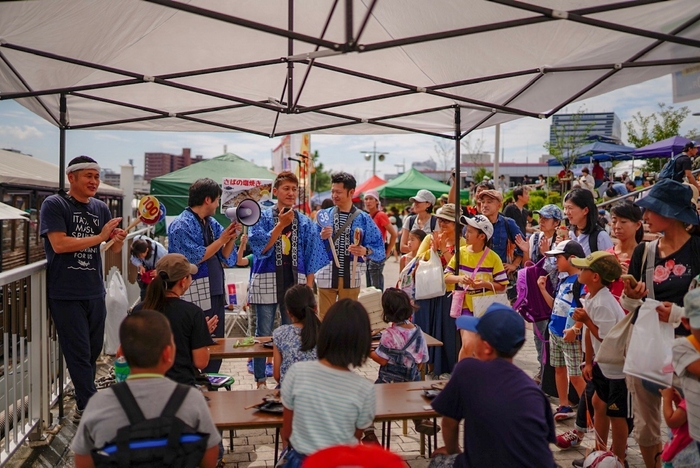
407	185
172	189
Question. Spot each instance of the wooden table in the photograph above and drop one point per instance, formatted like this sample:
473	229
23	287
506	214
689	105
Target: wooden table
225	349
394	402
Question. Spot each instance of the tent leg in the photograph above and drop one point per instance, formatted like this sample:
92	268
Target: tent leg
62	143
458	204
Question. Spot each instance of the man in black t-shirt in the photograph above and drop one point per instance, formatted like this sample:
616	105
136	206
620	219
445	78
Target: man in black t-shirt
73	226
516	211
684	164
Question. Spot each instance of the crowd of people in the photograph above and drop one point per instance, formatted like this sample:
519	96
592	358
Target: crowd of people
589	287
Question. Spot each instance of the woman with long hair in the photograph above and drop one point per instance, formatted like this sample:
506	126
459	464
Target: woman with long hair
580	209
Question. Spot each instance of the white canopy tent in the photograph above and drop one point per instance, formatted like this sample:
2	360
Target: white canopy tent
331	66
442	68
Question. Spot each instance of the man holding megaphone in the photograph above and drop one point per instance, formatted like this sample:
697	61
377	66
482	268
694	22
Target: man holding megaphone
287	250
195	234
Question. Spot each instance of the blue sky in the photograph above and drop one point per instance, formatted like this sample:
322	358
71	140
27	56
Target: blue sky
522	139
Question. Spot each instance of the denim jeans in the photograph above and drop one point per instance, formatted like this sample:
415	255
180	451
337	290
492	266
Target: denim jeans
265	319
375	274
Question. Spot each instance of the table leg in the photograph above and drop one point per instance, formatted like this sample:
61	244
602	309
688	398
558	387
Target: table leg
422	444
384	434
230	440
388	435
277	443
435	432
405	427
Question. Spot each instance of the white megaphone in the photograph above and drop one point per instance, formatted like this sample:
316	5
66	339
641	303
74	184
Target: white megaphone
247	212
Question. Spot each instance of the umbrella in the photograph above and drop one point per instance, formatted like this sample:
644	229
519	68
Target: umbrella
662	149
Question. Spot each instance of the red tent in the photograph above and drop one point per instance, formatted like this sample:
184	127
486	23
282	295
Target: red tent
373	182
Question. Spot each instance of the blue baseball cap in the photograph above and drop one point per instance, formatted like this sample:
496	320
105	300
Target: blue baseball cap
550	212
500	326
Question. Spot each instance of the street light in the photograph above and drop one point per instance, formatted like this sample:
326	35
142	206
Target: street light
374	155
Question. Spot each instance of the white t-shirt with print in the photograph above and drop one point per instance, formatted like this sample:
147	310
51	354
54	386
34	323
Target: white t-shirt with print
605	312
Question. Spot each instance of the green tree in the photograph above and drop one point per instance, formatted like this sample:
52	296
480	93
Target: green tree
644	130
568	139
480	173
320	178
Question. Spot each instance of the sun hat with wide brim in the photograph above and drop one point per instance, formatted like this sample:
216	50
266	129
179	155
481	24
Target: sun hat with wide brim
447	212
670	199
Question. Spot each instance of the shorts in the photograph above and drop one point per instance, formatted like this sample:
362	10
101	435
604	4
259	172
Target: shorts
647	413
614	393
566	354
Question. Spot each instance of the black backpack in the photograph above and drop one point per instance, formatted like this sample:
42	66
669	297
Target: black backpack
165	441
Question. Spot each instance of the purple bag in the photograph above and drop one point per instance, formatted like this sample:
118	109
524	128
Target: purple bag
530	302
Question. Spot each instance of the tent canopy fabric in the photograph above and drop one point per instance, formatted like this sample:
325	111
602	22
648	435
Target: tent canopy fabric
409	183
442	68
369	184
19	169
662	149
8	212
597	151
173	189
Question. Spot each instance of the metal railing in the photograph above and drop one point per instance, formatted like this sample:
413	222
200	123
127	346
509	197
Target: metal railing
32	370
31	361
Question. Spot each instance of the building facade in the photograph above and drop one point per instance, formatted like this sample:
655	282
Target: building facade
158	164
599	123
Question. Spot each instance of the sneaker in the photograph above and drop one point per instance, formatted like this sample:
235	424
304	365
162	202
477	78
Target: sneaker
370	438
268	369
77	416
262	385
564	412
250	366
426	427
568	439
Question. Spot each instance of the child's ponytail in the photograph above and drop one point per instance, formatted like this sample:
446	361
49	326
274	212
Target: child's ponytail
300	303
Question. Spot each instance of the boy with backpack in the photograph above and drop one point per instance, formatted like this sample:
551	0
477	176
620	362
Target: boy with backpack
146	408
564	335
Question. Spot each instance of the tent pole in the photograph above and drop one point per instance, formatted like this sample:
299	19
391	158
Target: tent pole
62	142
290	52
458	201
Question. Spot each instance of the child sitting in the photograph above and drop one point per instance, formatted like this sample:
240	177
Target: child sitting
602	312
565	347
297	341
681	450
325	403
402	348
686	361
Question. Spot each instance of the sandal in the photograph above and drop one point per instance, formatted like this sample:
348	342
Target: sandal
426	427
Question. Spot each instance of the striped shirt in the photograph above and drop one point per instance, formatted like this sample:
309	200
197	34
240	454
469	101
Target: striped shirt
328	405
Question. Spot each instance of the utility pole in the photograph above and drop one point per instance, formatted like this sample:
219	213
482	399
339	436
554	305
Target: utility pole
373	156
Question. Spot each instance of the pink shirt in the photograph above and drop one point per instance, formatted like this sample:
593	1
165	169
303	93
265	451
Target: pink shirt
396	337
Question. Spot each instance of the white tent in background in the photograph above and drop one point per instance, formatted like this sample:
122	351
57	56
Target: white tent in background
443	67
8	212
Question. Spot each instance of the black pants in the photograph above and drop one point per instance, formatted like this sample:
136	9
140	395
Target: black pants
217	308
81	328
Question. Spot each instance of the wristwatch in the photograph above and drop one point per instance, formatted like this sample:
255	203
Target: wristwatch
369	252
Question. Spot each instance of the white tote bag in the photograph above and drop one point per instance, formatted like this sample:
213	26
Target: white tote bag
430	278
117	304
481	303
649	353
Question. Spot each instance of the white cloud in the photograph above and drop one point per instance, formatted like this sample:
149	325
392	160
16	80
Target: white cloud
23	132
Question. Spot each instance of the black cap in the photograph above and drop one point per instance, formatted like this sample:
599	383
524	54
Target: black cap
689	145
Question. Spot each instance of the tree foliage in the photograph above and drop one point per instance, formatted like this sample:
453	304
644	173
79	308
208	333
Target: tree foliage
320	178
569	139
644	130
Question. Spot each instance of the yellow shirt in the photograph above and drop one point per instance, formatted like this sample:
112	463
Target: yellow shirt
491	270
